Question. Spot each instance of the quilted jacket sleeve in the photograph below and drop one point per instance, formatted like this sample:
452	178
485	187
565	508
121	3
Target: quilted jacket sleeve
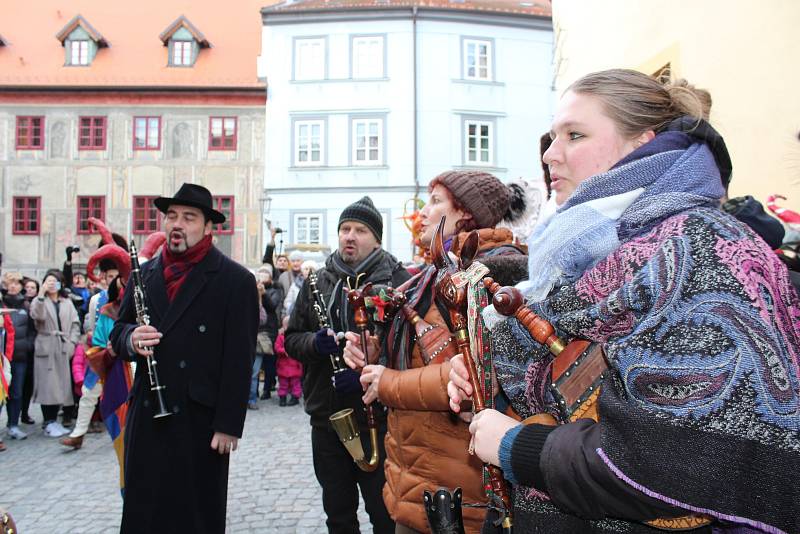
423	388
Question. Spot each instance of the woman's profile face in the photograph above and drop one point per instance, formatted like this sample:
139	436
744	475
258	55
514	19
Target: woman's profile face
585	142
440	203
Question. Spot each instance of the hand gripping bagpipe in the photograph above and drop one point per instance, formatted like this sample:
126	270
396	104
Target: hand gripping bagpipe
380	304
344	421
578	369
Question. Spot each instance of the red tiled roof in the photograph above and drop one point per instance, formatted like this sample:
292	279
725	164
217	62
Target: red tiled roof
137	58
520	7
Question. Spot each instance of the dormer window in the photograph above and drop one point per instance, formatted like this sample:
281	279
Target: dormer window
80	41
184	42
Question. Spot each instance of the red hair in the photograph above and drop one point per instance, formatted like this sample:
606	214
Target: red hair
463	225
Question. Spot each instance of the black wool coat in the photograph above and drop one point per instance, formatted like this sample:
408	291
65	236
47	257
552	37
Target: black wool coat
174	481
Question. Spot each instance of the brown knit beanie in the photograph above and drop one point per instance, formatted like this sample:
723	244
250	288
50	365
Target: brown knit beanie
485	197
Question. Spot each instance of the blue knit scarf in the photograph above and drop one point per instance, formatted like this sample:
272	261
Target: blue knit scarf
671	173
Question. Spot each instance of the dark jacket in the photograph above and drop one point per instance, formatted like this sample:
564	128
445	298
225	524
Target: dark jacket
174	481
272	301
321	398
24	329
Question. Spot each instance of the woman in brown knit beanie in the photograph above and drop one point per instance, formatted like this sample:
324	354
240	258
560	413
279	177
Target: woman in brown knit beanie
426	447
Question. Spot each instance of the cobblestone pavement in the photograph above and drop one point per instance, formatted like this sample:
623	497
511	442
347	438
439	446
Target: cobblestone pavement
272	489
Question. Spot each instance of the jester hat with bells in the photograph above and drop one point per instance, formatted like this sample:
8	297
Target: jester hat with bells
113	250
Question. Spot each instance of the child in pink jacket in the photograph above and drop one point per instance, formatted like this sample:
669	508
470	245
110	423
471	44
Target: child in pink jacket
290	371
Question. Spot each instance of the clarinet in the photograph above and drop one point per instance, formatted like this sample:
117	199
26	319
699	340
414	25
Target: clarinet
337	361
143	318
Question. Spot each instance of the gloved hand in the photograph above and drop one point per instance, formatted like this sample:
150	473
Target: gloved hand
346	382
324	343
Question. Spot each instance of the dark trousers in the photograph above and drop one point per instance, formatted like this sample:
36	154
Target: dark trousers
269	364
49	413
27	392
18	371
341	479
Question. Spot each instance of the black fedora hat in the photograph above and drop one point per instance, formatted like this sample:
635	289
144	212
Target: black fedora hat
195	196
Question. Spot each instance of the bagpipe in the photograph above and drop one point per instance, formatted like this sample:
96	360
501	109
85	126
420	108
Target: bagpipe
379	305
578	370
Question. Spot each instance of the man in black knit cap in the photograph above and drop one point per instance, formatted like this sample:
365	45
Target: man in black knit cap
359	259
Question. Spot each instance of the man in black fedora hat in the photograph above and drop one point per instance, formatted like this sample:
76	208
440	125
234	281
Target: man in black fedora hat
203	310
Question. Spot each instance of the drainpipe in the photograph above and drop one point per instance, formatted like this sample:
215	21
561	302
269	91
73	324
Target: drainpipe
414	49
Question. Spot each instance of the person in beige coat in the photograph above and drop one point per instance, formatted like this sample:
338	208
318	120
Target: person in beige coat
58	331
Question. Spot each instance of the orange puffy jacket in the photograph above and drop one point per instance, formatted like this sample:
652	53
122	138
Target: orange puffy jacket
426	444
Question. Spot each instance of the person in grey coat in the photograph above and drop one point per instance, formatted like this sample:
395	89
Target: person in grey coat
58	331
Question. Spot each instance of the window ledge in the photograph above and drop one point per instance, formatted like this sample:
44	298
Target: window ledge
338	168
340	80
478	82
480	168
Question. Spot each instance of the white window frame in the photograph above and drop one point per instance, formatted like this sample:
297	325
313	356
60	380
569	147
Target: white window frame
308	142
478	149
79	52
366	137
306	239
316	47
182	52
477	43
370	49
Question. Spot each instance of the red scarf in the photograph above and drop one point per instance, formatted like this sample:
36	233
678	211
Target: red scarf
178	266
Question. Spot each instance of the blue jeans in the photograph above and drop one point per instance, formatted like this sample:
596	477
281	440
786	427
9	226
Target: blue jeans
14	407
254	377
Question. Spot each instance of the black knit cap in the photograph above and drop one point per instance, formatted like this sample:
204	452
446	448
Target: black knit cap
364	212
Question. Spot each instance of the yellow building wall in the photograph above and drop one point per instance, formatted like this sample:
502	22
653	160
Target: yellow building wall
745	53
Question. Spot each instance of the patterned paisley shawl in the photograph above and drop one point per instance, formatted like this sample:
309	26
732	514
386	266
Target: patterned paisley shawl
701	327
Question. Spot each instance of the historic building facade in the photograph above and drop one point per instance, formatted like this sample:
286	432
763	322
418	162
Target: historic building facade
101	113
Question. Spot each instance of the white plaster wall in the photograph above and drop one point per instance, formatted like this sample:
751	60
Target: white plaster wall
520	103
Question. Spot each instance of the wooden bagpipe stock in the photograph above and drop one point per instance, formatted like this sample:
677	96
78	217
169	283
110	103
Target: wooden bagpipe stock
578	368
451	290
